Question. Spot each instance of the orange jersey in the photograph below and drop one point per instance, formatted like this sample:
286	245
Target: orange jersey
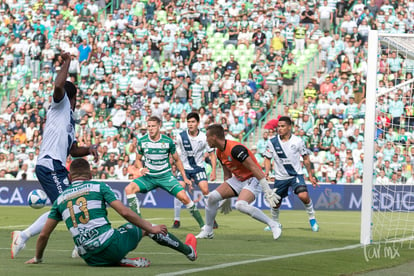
232	156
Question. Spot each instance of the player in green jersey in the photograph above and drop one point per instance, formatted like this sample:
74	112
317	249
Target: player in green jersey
82	206
156	170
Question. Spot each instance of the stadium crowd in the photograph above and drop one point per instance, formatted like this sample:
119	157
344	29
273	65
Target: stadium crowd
135	59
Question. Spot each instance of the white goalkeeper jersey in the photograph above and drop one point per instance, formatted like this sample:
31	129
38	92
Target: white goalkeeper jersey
59	134
191	149
287	156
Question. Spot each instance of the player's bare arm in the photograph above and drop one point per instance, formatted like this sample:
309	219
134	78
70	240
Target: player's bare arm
138	163
226	173
307	164
213	159
42	241
133	218
251	165
267	165
59	91
180	168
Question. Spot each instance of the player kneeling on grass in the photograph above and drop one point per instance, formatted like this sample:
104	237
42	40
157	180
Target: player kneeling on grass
83	208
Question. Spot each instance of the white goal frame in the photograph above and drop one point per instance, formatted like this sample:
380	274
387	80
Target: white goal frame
369	135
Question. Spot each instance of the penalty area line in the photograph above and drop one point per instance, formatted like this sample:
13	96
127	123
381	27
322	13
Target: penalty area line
219	266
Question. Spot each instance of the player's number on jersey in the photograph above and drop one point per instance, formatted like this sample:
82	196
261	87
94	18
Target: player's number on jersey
83	207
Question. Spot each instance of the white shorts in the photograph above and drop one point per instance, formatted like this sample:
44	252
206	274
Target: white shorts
251	184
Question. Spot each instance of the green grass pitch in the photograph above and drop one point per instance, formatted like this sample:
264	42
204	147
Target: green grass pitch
240	247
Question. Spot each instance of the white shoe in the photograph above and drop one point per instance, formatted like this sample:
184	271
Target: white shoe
17	244
276	230
135	262
268	229
205	235
75	253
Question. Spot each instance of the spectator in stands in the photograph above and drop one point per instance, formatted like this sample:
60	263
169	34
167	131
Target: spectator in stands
259	40
12	165
237	129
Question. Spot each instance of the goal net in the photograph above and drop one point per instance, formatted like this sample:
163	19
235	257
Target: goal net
387	214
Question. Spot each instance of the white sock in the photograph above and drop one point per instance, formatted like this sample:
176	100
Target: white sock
309	209
254	212
211	209
177	208
205	198
35	228
133	203
189	205
275	214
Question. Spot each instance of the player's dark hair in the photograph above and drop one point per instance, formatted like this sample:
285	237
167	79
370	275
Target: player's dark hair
216	130
70	89
194	115
286	119
79	167
154	119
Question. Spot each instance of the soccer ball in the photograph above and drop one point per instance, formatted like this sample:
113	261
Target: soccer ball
37	199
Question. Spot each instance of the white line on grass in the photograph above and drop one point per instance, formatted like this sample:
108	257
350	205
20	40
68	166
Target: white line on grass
146	253
13	226
260	260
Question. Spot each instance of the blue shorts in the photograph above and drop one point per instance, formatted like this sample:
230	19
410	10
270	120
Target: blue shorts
53	182
283	185
196	175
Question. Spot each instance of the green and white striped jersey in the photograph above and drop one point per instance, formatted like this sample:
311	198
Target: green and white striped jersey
82	207
156	153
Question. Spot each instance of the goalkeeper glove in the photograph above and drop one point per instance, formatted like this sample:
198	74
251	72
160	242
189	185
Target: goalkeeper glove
270	195
272	198
225	206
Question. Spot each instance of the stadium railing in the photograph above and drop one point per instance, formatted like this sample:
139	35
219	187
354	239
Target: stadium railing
305	74
103	12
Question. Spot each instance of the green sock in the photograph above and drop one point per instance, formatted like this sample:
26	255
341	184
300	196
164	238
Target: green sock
196	214
133	203
171	241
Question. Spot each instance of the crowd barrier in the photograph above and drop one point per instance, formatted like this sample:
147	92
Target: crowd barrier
326	197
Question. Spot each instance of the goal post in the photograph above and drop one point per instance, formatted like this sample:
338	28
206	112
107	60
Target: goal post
368	176
388	202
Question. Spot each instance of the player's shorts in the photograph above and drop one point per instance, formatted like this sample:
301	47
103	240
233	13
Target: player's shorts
124	240
197	175
166	181
53	182
251	184
294	182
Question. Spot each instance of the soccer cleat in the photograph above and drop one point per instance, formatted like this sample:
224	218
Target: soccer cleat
191	241
205	235
176	224
215	225
17	244
268	229
75	253
276	230
314	225
135	262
